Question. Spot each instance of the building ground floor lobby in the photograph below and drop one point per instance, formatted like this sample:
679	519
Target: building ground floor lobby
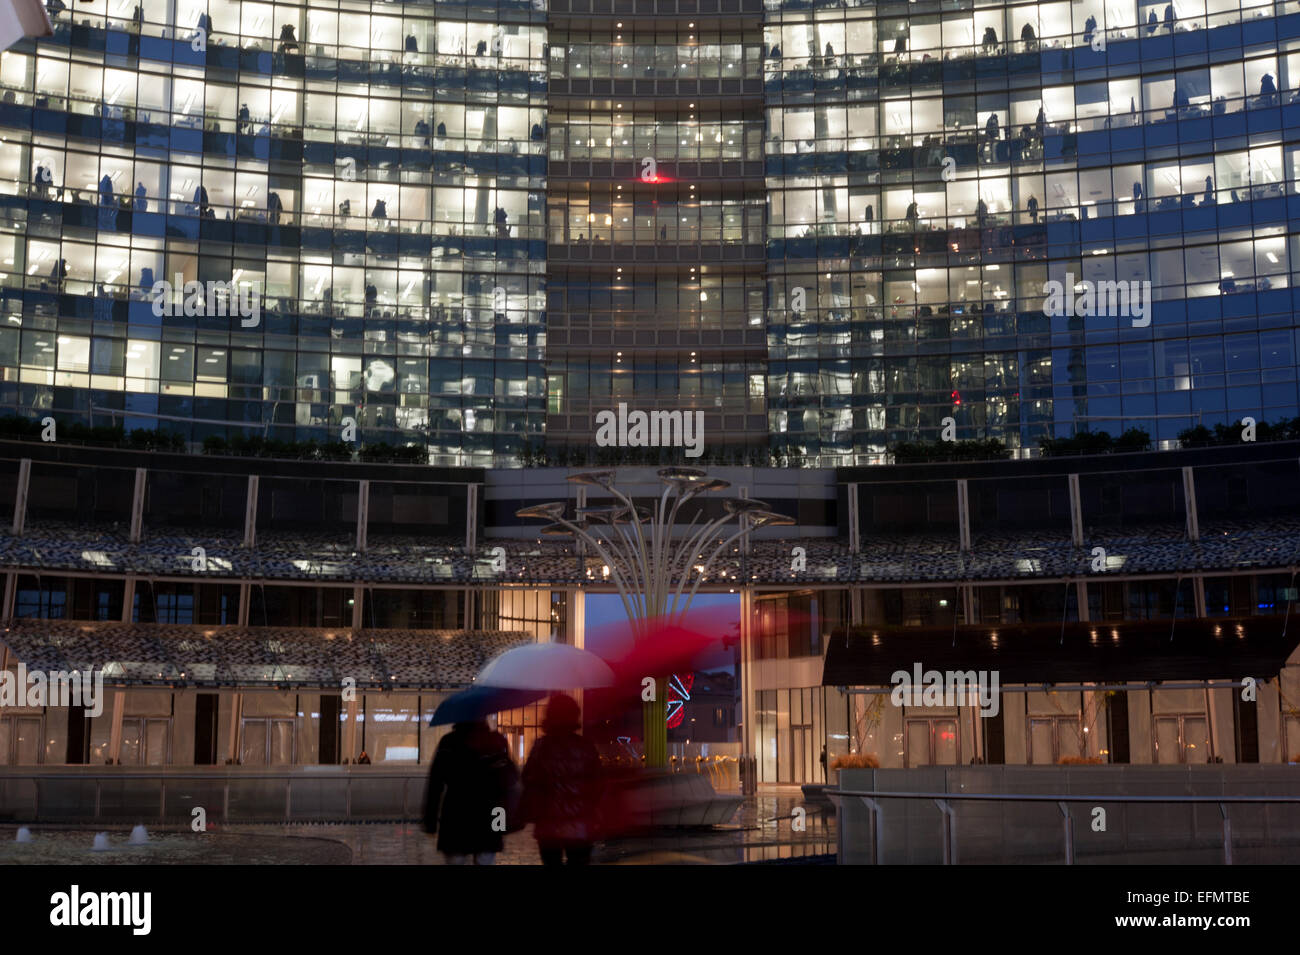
790	701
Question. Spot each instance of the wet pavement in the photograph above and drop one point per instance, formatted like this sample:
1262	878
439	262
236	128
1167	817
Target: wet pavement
765	829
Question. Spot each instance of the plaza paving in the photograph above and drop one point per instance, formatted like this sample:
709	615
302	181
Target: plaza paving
761	831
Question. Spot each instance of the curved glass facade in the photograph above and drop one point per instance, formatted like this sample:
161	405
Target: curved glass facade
931	166
905	180
375	173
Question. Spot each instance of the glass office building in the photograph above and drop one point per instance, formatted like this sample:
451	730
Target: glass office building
656	221
842	238
931	165
375	172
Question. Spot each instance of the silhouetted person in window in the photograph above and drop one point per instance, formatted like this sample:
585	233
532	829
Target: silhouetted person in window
1153	23
981	212
412	46
1028	37
137	17
287	40
1089	28
106	190
1040	123
441	130
499	217
1181	99
1033	209
1132	106
146	279
912	213
1266	88
59	273
663	233
201	200
830	51
1170	17
1209	191
245	119
380	211
38	181
141	200
273	208
991	130
481	49
869	213
372	294
1138	205
776	52
537	133
990	39
900	44
345	207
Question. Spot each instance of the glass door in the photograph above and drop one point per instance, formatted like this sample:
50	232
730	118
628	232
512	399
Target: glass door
20	740
1183	739
931	742
1053	738
145	742
27	741
252	743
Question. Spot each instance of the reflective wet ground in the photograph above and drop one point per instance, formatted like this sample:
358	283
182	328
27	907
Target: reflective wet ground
765	829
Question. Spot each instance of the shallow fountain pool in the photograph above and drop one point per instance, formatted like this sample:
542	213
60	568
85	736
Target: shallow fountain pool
73	847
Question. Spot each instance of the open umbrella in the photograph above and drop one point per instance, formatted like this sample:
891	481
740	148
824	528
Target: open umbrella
546	666
479	702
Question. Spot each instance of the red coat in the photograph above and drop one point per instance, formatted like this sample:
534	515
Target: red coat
562	789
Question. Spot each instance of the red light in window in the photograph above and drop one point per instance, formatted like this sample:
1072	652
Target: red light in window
956	397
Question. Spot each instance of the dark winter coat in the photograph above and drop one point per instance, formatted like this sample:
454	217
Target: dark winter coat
464	791
562	789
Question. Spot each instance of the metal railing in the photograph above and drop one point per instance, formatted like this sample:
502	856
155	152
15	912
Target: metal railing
948	816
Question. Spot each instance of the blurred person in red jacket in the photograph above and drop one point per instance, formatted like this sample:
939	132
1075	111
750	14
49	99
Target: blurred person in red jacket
562	786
